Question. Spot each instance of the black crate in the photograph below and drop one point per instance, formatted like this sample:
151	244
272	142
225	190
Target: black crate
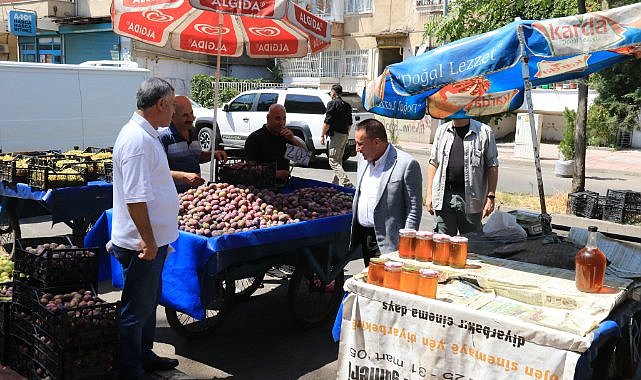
239	172
7	170
56	266
20	357
88	360
79	324
10	172
109	171
46	177
594	206
5	324
577	202
623	198
622	215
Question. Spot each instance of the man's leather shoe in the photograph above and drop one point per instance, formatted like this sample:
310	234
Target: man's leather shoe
160	364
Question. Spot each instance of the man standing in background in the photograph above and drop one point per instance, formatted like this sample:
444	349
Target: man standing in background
183	149
462	175
338	121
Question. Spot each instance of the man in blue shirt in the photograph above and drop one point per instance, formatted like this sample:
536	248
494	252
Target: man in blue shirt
183	149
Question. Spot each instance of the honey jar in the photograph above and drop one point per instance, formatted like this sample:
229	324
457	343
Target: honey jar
458	251
409	279
407	236
441	249
392	277
427	283
423	246
376	271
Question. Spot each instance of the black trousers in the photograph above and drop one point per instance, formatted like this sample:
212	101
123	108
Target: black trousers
366	237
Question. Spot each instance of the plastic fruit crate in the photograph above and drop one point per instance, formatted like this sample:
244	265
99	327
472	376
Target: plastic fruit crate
109	171
623	198
47	177
622	214
77	324
577	201
42	260
88	360
10	172
5	323
20	357
594	206
238	172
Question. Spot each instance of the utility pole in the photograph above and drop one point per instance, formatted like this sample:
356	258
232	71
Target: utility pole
578	177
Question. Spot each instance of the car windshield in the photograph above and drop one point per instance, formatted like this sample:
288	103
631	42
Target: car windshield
354	100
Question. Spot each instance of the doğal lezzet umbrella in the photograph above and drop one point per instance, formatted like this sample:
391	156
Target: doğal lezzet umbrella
493	73
260	28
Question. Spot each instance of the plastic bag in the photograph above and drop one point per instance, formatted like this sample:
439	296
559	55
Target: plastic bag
502	225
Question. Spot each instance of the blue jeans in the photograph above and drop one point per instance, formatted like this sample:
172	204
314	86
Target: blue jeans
452	218
140	297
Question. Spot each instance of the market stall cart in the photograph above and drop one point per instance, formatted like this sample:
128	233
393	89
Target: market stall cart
200	278
496	318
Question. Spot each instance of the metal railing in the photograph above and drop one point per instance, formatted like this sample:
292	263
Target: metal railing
247	86
328	64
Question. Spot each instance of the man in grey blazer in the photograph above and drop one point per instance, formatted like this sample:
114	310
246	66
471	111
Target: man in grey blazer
388	192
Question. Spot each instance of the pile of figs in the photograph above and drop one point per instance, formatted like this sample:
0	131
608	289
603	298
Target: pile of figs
220	208
58	251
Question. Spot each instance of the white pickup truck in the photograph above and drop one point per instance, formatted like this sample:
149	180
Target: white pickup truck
306	109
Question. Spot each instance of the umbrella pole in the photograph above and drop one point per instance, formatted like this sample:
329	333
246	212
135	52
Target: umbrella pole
546	220
212	162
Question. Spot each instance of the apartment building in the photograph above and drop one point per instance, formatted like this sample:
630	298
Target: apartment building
367	35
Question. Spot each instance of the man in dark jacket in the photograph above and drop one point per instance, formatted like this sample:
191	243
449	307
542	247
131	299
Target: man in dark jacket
338	121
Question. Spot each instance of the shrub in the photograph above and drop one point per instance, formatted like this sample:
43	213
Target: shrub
566	146
602	127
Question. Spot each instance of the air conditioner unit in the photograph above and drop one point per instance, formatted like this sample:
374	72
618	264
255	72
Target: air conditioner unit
4	48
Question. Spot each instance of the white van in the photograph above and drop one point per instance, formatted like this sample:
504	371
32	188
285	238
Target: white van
48	106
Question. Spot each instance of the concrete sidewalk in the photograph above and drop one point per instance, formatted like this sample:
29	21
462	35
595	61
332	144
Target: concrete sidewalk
601	159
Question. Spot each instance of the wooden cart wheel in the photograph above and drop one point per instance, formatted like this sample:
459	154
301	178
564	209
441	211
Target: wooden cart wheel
310	300
9	231
245	287
215	313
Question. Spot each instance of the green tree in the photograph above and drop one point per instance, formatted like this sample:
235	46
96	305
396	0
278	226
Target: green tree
471	17
619	89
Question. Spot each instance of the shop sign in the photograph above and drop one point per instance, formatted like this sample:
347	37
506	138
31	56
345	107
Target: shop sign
22	23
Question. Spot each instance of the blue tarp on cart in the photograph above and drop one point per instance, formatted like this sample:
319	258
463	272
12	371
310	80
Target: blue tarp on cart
197	257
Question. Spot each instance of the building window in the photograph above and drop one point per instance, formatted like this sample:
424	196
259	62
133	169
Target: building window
44	49
429	5
358	6
356	63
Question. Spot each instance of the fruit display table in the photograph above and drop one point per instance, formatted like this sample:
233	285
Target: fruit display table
76	206
200	277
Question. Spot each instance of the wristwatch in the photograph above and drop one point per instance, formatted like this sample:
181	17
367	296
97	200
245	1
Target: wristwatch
491	196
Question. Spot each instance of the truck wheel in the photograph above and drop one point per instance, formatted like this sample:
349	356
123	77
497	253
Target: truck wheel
205	139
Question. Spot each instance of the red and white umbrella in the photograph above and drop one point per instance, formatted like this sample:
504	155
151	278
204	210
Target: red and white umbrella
267	28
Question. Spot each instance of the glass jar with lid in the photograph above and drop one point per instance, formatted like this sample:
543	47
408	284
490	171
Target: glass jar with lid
406	243
427	283
423	246
441	249
392	277
376	271
409	279
458	251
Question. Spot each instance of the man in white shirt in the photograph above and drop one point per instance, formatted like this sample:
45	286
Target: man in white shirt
388	192
145	212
